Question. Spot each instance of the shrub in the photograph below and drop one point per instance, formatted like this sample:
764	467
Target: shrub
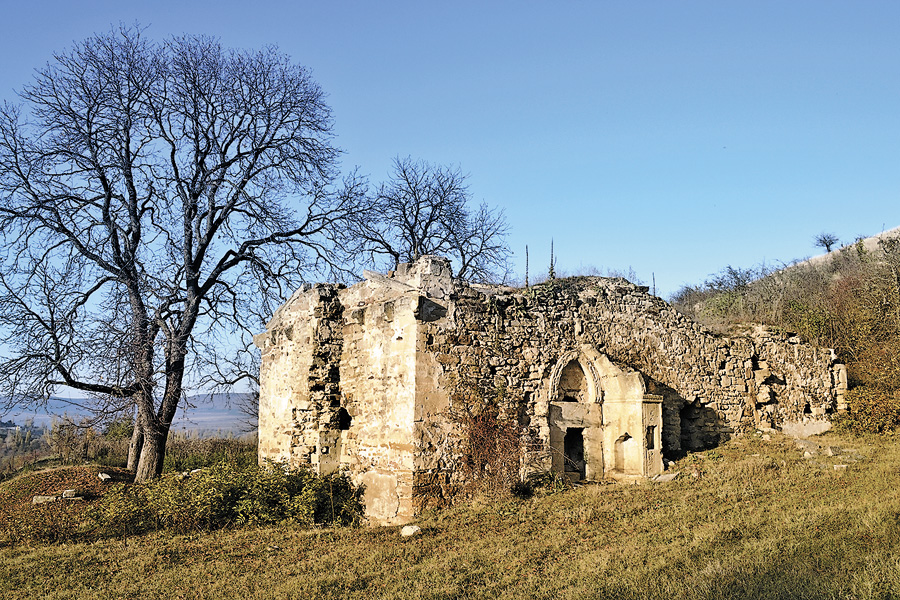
491	452
123	511
872	410
230	494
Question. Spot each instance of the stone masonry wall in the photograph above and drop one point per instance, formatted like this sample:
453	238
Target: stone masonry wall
300	375
365	378
712	386
506	342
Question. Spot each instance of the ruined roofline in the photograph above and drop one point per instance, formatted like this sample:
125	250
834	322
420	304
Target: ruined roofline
415	276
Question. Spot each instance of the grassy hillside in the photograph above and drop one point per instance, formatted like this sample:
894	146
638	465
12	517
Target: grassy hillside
752	519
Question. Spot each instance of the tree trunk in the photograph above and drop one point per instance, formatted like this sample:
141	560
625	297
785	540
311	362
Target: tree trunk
153	452
137	443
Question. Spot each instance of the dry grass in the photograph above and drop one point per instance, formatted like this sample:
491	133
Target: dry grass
759	522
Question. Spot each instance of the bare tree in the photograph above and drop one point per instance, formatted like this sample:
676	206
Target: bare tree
425	209
825	240
157	199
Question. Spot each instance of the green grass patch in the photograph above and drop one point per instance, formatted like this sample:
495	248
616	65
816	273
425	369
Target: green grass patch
757	521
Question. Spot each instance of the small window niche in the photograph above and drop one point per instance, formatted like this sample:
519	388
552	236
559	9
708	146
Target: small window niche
344	419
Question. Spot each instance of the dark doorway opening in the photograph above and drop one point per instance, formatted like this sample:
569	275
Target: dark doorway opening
573	449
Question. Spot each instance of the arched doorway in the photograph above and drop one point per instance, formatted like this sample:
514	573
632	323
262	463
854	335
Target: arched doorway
575	419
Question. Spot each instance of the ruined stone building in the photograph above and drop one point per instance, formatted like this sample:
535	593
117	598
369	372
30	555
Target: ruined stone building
602	379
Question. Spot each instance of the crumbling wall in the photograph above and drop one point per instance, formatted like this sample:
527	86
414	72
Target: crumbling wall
297	380
338	390
712	386
367	378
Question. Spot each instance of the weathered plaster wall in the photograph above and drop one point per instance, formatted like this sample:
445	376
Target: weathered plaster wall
378	375
293	355
365	378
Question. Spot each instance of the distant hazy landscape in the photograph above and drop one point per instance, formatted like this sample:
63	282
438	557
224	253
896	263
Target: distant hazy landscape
206	414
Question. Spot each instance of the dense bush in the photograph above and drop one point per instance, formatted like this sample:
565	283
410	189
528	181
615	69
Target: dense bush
224	495
872	410
229	494
491	452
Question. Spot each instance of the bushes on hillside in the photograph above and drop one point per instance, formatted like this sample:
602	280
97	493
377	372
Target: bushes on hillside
850	303
226	494
872	410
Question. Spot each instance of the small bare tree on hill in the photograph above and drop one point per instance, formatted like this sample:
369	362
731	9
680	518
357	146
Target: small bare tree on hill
825	240
425	209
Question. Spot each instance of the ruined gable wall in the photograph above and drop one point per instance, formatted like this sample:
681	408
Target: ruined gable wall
297	380
338	389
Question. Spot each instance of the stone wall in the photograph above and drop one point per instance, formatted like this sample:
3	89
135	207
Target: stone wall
719	385
594	371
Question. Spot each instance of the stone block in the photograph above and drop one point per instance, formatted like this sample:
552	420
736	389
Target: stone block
410	531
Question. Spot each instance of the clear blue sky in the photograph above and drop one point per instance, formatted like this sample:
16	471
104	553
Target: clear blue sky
672	137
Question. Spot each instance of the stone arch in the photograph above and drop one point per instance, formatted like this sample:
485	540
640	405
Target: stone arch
575	418
601	422
572	383
567	369
624	445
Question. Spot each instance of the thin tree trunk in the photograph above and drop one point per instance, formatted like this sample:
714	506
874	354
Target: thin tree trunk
137	443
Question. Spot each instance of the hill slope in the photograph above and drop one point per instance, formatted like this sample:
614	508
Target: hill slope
758	521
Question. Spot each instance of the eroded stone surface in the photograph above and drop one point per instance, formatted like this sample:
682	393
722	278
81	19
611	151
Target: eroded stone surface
600	377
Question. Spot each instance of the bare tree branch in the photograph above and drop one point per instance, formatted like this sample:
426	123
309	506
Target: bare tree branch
155	199
424	209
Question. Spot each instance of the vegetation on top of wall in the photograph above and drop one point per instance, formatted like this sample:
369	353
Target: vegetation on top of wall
850	303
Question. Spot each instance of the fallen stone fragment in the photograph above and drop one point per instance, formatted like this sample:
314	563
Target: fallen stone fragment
410	530
44	499
840	467
665	477
68	494
104	477
807	445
